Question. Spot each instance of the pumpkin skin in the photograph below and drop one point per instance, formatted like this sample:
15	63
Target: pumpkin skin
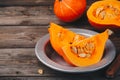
99	44
69	10
60	37
105	14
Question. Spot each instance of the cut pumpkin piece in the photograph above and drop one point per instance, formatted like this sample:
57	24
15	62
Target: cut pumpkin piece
88	51
60	36
104	14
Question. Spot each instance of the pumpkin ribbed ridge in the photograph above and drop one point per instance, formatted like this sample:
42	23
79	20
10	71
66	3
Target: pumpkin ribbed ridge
69	7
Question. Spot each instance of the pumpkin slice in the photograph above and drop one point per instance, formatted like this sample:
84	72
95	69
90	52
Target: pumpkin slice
104	14
88	51
60	37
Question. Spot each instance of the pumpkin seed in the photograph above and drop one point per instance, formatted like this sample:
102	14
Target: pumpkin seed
91	46
74	49
117	12
79	50
40	71
59	34
88	55
84	51
107	11
83	55
98	10
102	15
110	32
76	37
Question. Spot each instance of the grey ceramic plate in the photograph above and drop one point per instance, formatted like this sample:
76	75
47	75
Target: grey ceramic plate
50	58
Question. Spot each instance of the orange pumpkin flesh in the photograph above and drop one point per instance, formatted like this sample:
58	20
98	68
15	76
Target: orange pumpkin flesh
69	10
104	14
99	41
60	37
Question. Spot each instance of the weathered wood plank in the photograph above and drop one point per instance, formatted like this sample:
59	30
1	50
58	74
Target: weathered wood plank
22	36
32	2
25	2
46	78
32	15
39	15
21	15
70	77
26	20
23	62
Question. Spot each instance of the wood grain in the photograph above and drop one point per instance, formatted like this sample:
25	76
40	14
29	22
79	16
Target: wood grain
25	2
22	36
39	15
23	62
24	15
33	2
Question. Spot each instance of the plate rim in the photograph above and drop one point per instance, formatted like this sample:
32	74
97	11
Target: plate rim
43	41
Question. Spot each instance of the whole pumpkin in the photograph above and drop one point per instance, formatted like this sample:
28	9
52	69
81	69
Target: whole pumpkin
69	10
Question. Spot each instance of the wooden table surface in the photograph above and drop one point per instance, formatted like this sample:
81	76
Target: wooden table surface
22	24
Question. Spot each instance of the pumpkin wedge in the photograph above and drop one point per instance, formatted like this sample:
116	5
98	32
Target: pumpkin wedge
60	37
88	51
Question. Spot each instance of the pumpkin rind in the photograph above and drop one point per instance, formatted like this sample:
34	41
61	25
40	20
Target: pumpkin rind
99	41
104	14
